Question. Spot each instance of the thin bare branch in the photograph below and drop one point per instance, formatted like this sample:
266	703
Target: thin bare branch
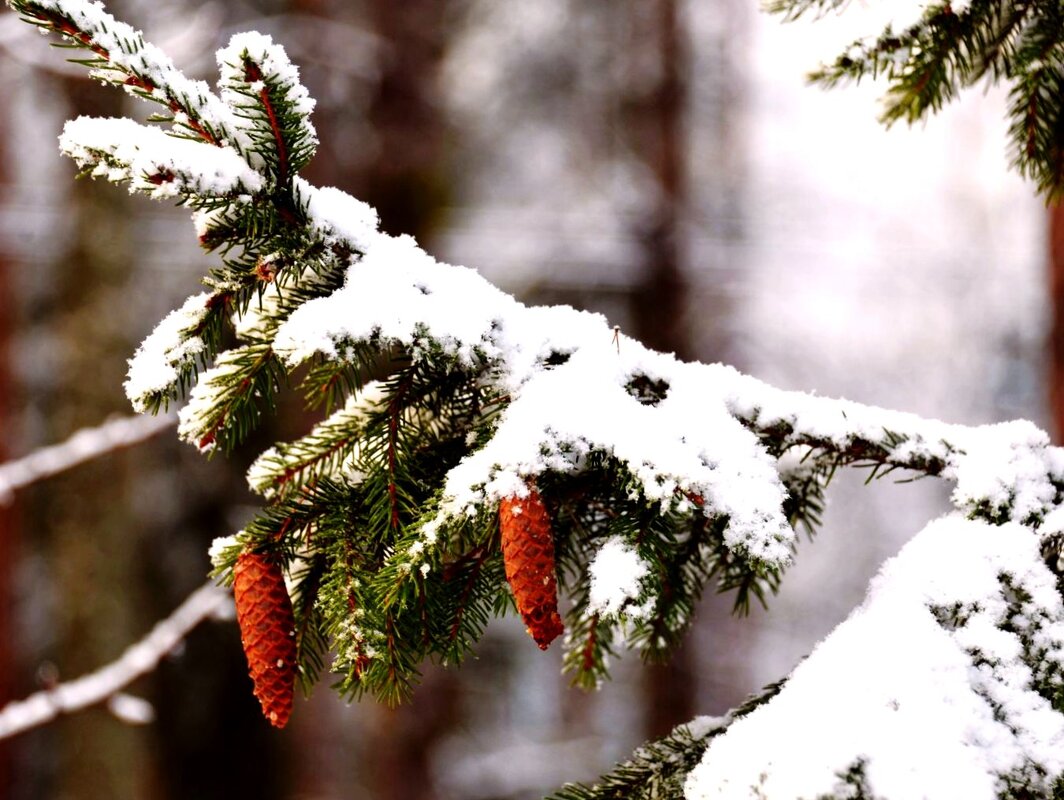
84	445
139	659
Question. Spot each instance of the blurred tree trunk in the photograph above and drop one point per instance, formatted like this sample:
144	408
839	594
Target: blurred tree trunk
80	516
658	122
401	172
8	516
405	184
1056	332
659	312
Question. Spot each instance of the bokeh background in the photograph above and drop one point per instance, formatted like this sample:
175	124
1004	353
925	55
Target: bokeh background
659	161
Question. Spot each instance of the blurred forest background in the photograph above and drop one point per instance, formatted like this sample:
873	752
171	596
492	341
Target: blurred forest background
659	161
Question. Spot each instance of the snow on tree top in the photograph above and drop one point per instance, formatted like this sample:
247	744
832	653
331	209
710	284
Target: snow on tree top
257	79
936	687
270	58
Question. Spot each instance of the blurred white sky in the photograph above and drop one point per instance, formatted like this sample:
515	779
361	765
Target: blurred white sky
890	264
899	267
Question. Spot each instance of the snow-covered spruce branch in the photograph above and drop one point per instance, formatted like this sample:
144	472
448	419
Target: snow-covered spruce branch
83	445
139	659
480	454
659	769
947	682
118	54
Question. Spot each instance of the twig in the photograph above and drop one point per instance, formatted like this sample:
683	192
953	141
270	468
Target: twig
139	659
85	445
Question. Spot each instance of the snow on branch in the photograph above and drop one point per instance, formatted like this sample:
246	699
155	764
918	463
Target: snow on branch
84	445
1006	471
945	683
154	162
263	87
121	56
105	683
700	433
176	345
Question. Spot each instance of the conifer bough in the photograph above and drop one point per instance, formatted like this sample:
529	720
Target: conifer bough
641	480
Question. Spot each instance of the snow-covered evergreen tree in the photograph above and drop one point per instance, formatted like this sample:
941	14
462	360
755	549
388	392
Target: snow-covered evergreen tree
476	455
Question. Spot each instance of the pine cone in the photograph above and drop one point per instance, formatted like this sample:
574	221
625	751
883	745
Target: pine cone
267	631
528	554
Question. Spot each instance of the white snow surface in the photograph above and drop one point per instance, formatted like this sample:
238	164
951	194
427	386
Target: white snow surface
120	149
154	367
614	575
686	449
339	217
935	709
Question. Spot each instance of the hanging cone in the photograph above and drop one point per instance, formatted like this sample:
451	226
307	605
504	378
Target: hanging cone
528	554
267	631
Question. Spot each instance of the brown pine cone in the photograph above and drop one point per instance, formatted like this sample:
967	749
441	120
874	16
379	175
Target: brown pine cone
267	631
528	554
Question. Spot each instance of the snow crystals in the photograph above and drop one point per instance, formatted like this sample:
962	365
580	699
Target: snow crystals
938	686
154	367
614	577
155	162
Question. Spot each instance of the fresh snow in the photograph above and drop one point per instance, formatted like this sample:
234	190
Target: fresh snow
127	49
271	59
937	683
274	64
154	367
337	216
154	162
614	577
